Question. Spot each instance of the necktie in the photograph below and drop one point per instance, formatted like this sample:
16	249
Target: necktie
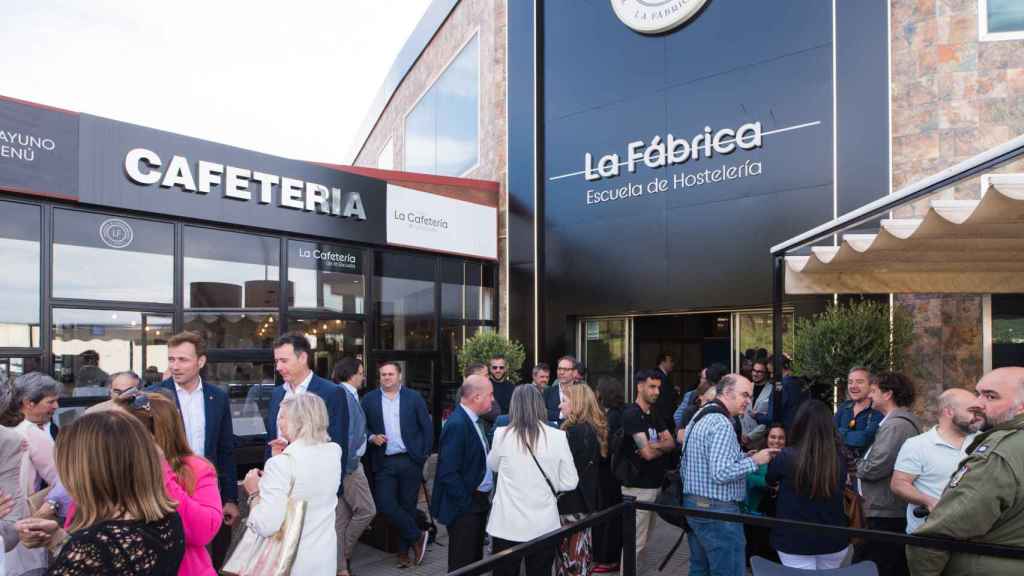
483	435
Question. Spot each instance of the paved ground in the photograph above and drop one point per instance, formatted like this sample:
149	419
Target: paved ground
368	561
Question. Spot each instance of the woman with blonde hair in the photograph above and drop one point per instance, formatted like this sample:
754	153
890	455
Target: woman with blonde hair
191	480
125	522
306	466
587	432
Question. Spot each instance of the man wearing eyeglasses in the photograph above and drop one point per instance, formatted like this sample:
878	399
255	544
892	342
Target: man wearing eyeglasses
565	374
752	431
497	369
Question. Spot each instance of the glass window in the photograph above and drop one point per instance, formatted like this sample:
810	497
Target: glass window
754	330
100	257
1001	19
404	291
248	385
19	291
386	158
331	340
326	276
88	345
604	348
230	270
467	290
12	367
441	131
234	330
1007	330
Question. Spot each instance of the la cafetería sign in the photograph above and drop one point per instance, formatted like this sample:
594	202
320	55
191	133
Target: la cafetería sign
656	16
145	167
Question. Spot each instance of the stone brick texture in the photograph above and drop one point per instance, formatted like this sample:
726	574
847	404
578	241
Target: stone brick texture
469	17
953	96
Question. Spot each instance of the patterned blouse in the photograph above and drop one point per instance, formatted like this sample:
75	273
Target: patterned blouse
125	548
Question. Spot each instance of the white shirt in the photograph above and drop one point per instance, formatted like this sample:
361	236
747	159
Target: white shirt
193	414
290	393
355	394
488	482
300	389
933	461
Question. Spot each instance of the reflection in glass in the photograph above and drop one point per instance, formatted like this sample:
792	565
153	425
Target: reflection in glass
325	276
19	290
467	290
331	341
604	348
248	385
1005	16
12	367
100	257
754	330
234	330
88	345
230	270
441	131
404	291
1007	330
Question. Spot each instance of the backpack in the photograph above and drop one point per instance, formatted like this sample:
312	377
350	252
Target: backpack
623	468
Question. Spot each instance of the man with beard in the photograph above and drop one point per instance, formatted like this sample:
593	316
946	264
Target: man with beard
926	461
984	501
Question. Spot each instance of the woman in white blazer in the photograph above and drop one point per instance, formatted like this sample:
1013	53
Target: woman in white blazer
314	463
525	505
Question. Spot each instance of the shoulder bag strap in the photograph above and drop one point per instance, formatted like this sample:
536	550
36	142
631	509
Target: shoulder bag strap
914	425
542	473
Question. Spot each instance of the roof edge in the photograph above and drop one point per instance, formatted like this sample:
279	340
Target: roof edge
432	20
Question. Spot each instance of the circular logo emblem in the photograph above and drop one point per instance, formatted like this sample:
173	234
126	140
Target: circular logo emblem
655	16
116	233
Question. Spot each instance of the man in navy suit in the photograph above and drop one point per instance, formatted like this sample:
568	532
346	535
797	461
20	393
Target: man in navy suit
401	435
291	357
464	482
206	414
566	377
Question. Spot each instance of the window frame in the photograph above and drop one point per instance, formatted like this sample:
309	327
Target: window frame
475	34
983	33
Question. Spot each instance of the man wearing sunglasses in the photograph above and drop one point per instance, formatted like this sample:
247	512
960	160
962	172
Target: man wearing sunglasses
497	369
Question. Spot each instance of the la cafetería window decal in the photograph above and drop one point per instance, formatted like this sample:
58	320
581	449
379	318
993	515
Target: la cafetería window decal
656	16
116	233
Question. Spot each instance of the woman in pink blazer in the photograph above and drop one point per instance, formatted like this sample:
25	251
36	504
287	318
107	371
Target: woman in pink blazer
190	480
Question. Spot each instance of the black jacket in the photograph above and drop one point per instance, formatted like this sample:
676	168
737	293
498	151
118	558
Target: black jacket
586	455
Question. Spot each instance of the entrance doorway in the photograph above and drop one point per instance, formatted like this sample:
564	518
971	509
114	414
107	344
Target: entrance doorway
694	341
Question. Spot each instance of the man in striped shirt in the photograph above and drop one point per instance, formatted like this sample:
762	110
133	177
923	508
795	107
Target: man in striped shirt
714	470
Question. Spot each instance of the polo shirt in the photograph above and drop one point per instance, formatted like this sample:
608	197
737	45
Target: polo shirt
933	461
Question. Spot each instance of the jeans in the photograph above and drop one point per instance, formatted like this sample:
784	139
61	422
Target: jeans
716	547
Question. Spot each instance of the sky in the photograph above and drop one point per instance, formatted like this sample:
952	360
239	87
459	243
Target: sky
291	78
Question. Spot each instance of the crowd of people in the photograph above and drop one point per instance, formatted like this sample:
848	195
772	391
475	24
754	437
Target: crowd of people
145	482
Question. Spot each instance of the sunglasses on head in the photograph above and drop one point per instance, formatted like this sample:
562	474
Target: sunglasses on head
136	399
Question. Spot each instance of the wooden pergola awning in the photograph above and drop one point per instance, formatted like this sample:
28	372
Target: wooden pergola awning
972	246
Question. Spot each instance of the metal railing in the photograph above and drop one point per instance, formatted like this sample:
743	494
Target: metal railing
627	512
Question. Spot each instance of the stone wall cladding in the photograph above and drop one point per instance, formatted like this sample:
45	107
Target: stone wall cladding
953	96
486	17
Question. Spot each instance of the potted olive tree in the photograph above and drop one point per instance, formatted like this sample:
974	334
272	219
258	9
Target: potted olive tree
486	345
860	333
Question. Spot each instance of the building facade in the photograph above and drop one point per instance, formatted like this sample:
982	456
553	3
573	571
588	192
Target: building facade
649	156
116	236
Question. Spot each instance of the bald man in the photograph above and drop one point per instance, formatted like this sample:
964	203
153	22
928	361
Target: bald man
463	484
984	501
925	462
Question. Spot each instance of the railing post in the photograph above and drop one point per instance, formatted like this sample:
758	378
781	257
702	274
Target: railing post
628	566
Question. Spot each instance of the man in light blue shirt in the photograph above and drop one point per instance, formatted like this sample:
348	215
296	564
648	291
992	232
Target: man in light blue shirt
927	461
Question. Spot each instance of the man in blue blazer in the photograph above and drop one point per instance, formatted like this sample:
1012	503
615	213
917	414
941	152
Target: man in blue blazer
206	414
401	435
291	357
464	482
566	377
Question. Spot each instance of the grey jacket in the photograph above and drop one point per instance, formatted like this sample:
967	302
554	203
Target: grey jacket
356	431
875	469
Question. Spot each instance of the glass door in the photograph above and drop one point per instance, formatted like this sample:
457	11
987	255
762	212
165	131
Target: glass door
604	349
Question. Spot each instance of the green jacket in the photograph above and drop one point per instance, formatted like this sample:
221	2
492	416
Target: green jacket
984	502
